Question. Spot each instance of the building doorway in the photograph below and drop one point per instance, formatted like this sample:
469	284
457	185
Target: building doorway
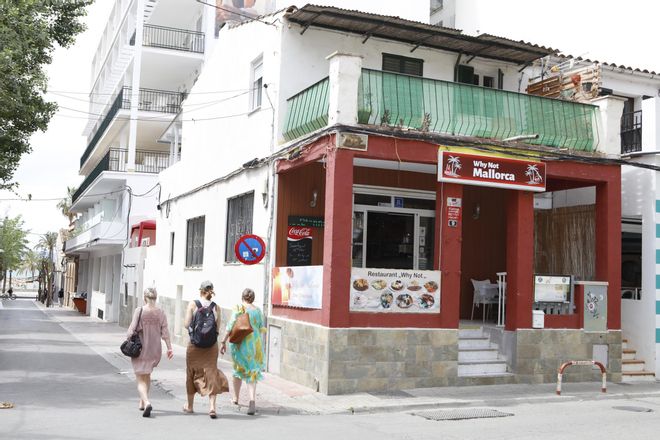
393	229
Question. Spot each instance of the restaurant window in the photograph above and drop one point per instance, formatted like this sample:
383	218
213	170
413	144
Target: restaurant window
195	242
256	82
405	65
393	231
239	222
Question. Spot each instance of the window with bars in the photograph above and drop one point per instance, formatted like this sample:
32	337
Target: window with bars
239	222
195	242
405	65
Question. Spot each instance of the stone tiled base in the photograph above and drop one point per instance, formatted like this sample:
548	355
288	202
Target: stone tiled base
342	361
539	354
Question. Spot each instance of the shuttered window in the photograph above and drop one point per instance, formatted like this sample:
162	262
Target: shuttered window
405	65
195	242
239	222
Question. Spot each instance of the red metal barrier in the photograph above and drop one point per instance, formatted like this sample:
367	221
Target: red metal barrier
566	364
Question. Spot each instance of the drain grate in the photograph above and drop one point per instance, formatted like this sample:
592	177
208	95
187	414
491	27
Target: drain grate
461	414
633	408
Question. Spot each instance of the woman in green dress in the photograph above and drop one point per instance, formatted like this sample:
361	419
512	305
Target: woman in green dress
248	356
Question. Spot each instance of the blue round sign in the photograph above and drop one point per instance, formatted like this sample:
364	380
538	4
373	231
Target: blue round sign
250	249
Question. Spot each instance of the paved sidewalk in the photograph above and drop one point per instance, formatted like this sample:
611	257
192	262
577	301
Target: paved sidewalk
278	396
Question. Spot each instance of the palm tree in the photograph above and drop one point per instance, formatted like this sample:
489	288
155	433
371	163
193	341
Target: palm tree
30	263
13	243
64	205
47	242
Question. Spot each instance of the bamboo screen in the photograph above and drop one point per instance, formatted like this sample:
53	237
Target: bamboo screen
564	241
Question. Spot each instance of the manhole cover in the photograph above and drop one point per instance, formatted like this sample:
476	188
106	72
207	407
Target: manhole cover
633	408
462	414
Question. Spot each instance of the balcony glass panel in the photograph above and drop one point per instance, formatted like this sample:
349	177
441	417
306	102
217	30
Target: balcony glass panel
459	109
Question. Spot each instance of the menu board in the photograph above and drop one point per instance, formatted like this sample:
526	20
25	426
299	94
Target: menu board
395	291
555	288
299	246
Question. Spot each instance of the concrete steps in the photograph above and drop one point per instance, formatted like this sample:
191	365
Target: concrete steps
478	357
633	369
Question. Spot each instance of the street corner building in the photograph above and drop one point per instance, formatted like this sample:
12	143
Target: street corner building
426	222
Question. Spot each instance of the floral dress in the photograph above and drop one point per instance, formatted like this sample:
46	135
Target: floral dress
248	356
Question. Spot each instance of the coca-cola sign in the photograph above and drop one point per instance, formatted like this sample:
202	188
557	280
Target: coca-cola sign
298	233
501	172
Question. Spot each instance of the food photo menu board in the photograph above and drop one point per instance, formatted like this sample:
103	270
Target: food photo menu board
395	291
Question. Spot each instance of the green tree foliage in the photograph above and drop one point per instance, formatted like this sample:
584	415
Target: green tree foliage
29	31
64	205
13	243
47	242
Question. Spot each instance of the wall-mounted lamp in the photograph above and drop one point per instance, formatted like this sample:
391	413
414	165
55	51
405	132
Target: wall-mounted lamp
476	211
315	197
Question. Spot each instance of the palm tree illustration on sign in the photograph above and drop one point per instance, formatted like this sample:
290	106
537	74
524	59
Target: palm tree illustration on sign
453	165
534	176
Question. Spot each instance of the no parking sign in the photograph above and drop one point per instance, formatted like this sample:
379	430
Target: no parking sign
250	249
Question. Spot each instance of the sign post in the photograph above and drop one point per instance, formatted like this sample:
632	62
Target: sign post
250	249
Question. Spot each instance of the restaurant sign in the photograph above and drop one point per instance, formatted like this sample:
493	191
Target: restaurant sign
499	172
395	291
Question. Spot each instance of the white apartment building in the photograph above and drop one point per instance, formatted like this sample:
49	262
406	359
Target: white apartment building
333	133
147	60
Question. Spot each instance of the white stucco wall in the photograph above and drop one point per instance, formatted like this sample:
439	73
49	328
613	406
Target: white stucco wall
638	316
229	278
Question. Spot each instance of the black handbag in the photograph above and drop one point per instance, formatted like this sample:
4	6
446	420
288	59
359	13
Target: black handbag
132	346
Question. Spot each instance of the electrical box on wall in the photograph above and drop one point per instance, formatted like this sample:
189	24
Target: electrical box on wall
538	319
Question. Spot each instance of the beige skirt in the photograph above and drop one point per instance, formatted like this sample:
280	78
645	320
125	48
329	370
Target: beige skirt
202	373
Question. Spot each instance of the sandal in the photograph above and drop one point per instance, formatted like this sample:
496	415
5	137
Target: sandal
147	411
251	408
212	414
186	410
235	402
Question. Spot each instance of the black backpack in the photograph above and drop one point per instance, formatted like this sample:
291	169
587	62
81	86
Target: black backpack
203	329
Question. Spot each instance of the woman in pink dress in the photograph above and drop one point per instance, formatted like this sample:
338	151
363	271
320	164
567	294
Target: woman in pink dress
152	327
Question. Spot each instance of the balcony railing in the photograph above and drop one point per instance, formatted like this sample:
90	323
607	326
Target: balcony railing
171	38
445	107
159	101
631	132
307	110
116	160
462	109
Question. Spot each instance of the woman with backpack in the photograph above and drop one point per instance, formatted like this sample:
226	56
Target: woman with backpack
150	322
202	373
248	355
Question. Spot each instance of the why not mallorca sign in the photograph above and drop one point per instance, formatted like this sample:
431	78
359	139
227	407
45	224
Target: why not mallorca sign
499	172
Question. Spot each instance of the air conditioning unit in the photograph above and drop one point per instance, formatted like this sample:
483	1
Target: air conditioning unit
352	141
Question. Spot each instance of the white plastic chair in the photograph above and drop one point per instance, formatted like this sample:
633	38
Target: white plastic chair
485	293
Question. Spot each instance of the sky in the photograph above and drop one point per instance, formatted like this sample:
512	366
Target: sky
592	29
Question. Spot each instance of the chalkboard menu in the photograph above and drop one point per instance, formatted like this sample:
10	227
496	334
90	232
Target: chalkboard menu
299	246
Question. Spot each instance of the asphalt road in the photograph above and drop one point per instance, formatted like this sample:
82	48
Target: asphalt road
62	389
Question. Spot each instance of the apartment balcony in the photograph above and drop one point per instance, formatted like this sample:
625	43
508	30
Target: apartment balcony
152	162
397	100
631	132
163	37
149	100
